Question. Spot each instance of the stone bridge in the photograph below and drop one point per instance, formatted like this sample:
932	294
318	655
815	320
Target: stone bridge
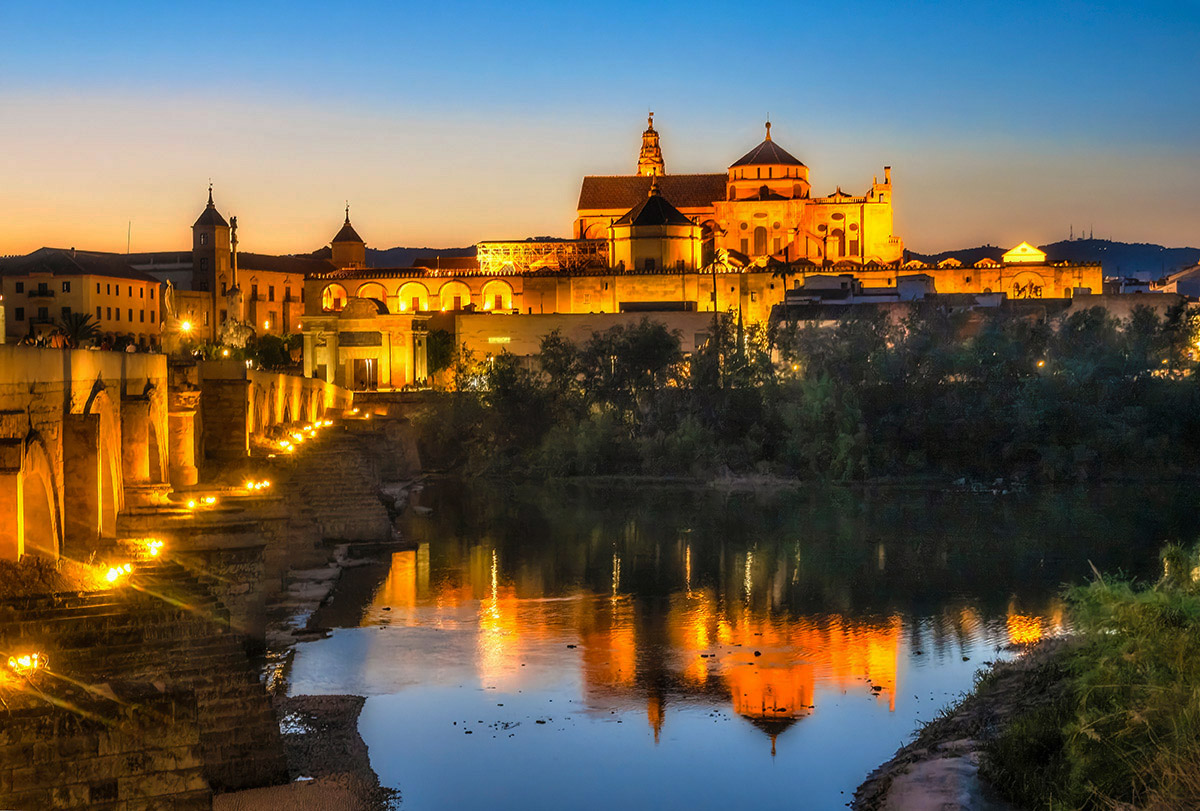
81	434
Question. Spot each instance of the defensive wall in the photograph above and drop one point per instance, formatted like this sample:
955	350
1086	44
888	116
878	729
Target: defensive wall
82	433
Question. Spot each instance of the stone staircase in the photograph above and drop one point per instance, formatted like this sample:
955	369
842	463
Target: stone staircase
162	626
335	480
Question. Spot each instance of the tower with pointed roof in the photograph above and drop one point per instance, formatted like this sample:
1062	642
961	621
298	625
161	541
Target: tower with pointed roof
768	169
211	248
349	250
650	159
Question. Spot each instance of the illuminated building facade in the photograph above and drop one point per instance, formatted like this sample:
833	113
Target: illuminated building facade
43	288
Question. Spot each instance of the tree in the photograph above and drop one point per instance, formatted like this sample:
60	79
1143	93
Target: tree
78	329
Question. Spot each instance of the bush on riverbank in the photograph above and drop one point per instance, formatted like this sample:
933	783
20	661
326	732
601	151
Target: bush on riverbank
1126	731
942	393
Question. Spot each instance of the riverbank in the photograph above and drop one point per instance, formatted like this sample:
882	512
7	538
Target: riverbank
941	767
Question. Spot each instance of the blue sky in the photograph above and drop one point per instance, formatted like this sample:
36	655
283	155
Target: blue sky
453	122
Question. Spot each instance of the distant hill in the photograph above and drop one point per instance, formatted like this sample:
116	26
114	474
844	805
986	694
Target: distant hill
404	257
1137	259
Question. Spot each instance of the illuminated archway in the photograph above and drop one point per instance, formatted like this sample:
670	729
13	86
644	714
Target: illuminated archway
373	290
39	505
414	297
454	295
333	298
497	295
111	481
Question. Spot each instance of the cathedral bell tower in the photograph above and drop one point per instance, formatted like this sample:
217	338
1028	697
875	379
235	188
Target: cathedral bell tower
210	248
349	250
650	159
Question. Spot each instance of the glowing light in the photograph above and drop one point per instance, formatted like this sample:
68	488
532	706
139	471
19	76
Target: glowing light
210	500
1041	363
116	572
153	547
191	504
26	664
186	326
224	353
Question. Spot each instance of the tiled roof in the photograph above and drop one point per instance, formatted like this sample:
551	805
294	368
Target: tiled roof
300	265
68	262
347	234
767	153
210	216
447	262
623	192
654	210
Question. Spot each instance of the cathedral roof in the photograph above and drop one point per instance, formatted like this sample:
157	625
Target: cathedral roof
654	210
347	234
767	153
626	191
210	216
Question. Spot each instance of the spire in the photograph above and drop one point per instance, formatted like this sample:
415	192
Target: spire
768	128
653	186
650	159
210	202
347	212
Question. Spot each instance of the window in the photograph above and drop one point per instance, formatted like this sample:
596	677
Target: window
270	292
131	316
20	311
287	294
97	311
854	247
152	294
141	292
66	287
301	295
203	239
254	292
97	288
760	241
43	313
43	288
753	296
204	264
224	289
118	314
20	287
142	316
152	316
224	316
745	245
778	246
131	293
66	313
108	313
108	289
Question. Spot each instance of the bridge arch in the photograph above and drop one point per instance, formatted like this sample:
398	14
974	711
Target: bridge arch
112	493
40	527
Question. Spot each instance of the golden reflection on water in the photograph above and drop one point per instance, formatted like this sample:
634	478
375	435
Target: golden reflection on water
763	662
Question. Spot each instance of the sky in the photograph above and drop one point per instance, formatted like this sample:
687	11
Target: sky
448	123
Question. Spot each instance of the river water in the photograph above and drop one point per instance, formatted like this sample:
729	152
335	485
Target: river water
669	647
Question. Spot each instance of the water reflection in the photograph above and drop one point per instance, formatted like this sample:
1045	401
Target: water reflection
670	609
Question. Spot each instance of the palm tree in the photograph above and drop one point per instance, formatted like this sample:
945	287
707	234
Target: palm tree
78	329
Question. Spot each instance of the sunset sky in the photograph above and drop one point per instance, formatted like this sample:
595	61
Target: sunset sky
448	123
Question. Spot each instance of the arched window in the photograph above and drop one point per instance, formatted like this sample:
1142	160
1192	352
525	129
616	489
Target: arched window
333	298
837	239
414	298
760	241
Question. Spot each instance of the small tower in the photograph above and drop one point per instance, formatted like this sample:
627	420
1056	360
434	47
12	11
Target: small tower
210	248
349	251
650	159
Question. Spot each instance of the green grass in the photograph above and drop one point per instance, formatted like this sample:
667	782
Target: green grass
1125	731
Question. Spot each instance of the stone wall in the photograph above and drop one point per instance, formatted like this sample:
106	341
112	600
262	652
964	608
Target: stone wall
237	403
105	395
105	754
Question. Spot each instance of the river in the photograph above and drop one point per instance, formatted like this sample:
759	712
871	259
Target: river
598	647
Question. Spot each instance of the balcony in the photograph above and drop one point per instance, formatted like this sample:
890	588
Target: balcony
40	294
